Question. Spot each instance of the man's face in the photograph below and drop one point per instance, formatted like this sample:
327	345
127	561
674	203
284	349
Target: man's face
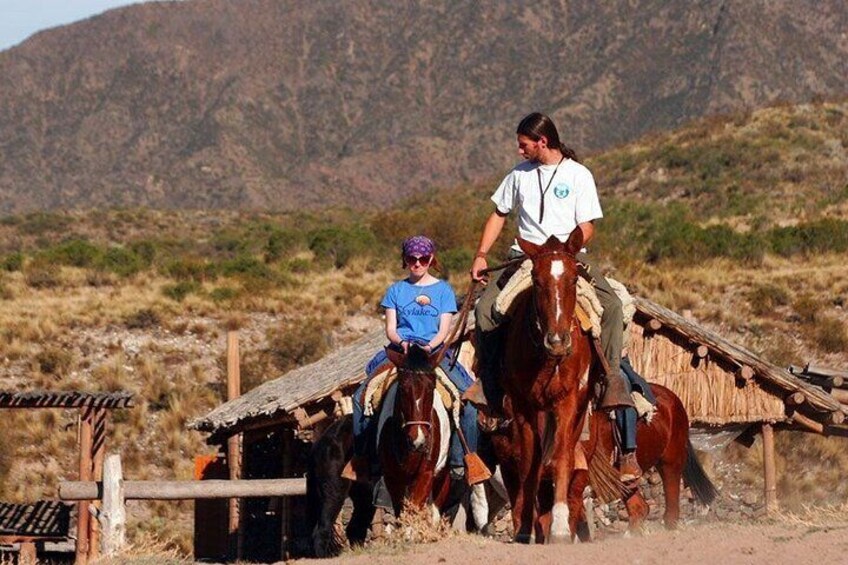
529	149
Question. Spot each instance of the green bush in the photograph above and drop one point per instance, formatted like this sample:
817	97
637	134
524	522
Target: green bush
224	294
54	361
764	298
180	290
339	245
74	253
121	261
456	260
826	235
282	244
12	262
190	269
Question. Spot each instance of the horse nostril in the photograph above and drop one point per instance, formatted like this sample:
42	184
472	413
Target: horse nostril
553	339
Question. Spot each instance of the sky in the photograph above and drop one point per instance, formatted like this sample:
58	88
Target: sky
21	18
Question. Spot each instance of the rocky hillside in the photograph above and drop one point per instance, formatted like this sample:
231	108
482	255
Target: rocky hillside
266	104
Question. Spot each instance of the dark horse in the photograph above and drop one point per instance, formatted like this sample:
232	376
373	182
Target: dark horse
550	367
410	439
326	491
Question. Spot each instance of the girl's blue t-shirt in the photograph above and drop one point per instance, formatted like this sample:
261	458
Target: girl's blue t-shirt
419	308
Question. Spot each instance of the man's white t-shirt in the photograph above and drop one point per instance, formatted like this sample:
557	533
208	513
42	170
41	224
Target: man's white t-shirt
571	199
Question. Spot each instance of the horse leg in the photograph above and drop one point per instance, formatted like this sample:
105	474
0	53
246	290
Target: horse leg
524	508
563	461
578	521
637	510
545	505
671	476
363	514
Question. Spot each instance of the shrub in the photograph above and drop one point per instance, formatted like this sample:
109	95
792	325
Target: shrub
340	245
224	294
40	223
74	253
807	307
41	273
180	290
12	262
145	250
54	361
121	261
190	269
764	298
142	319
282	244
456	260
298	342
830	335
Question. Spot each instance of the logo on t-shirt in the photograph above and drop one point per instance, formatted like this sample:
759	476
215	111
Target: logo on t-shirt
562	190
421	305
422	300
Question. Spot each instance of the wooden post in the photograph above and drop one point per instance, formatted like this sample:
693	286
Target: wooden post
233	443
98	449
27	554
769	469
285	502
85	472
113	515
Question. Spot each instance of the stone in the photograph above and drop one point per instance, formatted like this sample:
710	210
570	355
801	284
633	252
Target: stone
750	498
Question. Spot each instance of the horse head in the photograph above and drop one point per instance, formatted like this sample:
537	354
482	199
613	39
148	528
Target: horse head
555	289
414	403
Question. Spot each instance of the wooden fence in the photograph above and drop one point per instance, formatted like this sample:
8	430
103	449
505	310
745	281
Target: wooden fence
113	492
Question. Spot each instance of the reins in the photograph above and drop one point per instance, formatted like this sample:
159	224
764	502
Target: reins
459	328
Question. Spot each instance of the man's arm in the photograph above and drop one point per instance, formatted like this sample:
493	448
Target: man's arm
491	231
588	229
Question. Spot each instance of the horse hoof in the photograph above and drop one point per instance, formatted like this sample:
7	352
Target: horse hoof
523	538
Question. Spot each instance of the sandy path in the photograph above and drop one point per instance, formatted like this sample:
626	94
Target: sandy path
711	544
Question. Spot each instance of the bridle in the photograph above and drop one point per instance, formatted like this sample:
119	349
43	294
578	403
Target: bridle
533	322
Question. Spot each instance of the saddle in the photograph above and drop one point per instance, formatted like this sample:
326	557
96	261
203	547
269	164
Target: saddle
386	374
589	310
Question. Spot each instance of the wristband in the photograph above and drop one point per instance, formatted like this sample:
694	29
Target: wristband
480	254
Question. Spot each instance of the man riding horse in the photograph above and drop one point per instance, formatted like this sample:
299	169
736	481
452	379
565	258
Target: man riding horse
554	195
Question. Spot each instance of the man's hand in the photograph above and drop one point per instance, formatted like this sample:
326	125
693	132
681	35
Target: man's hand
478	265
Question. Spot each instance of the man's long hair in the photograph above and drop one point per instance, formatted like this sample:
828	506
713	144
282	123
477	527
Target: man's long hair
537	125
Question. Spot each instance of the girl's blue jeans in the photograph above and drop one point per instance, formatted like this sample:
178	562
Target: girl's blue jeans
363	426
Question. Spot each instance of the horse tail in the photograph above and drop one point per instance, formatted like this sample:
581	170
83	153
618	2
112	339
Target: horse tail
696	478
326	490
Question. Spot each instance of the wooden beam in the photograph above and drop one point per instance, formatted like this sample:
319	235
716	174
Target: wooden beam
702	351
808	423
187	490
796	399
825	372
98	454
836	418
745	373
769	469
654	325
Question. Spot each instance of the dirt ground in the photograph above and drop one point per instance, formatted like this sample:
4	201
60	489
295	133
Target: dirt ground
774	543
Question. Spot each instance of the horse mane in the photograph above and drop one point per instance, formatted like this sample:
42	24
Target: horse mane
417	360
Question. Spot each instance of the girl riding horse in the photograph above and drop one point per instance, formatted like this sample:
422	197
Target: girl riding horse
419	309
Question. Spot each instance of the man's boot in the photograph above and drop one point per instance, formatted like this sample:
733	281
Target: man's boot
629	469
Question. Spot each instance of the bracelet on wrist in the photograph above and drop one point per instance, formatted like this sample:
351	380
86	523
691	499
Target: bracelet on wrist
480	254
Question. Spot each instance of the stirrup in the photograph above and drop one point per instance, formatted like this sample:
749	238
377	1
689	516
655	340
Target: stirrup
615	394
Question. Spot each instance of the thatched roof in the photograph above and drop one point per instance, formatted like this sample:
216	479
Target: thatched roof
341	368
344	368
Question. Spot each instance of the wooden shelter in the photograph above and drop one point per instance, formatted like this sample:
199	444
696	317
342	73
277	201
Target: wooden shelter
31	525
720	383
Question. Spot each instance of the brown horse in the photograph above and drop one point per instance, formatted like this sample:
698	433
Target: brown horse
410	440
664	444
549	369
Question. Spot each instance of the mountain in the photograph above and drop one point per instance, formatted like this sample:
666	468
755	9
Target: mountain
265	104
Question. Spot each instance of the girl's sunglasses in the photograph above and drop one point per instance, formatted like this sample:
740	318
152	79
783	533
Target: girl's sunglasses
424	260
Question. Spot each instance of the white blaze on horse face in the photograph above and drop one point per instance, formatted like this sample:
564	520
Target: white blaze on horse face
420	438
557	270
559	524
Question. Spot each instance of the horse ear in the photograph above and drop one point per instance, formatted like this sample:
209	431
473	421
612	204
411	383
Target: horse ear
575	241
529	249
395	357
